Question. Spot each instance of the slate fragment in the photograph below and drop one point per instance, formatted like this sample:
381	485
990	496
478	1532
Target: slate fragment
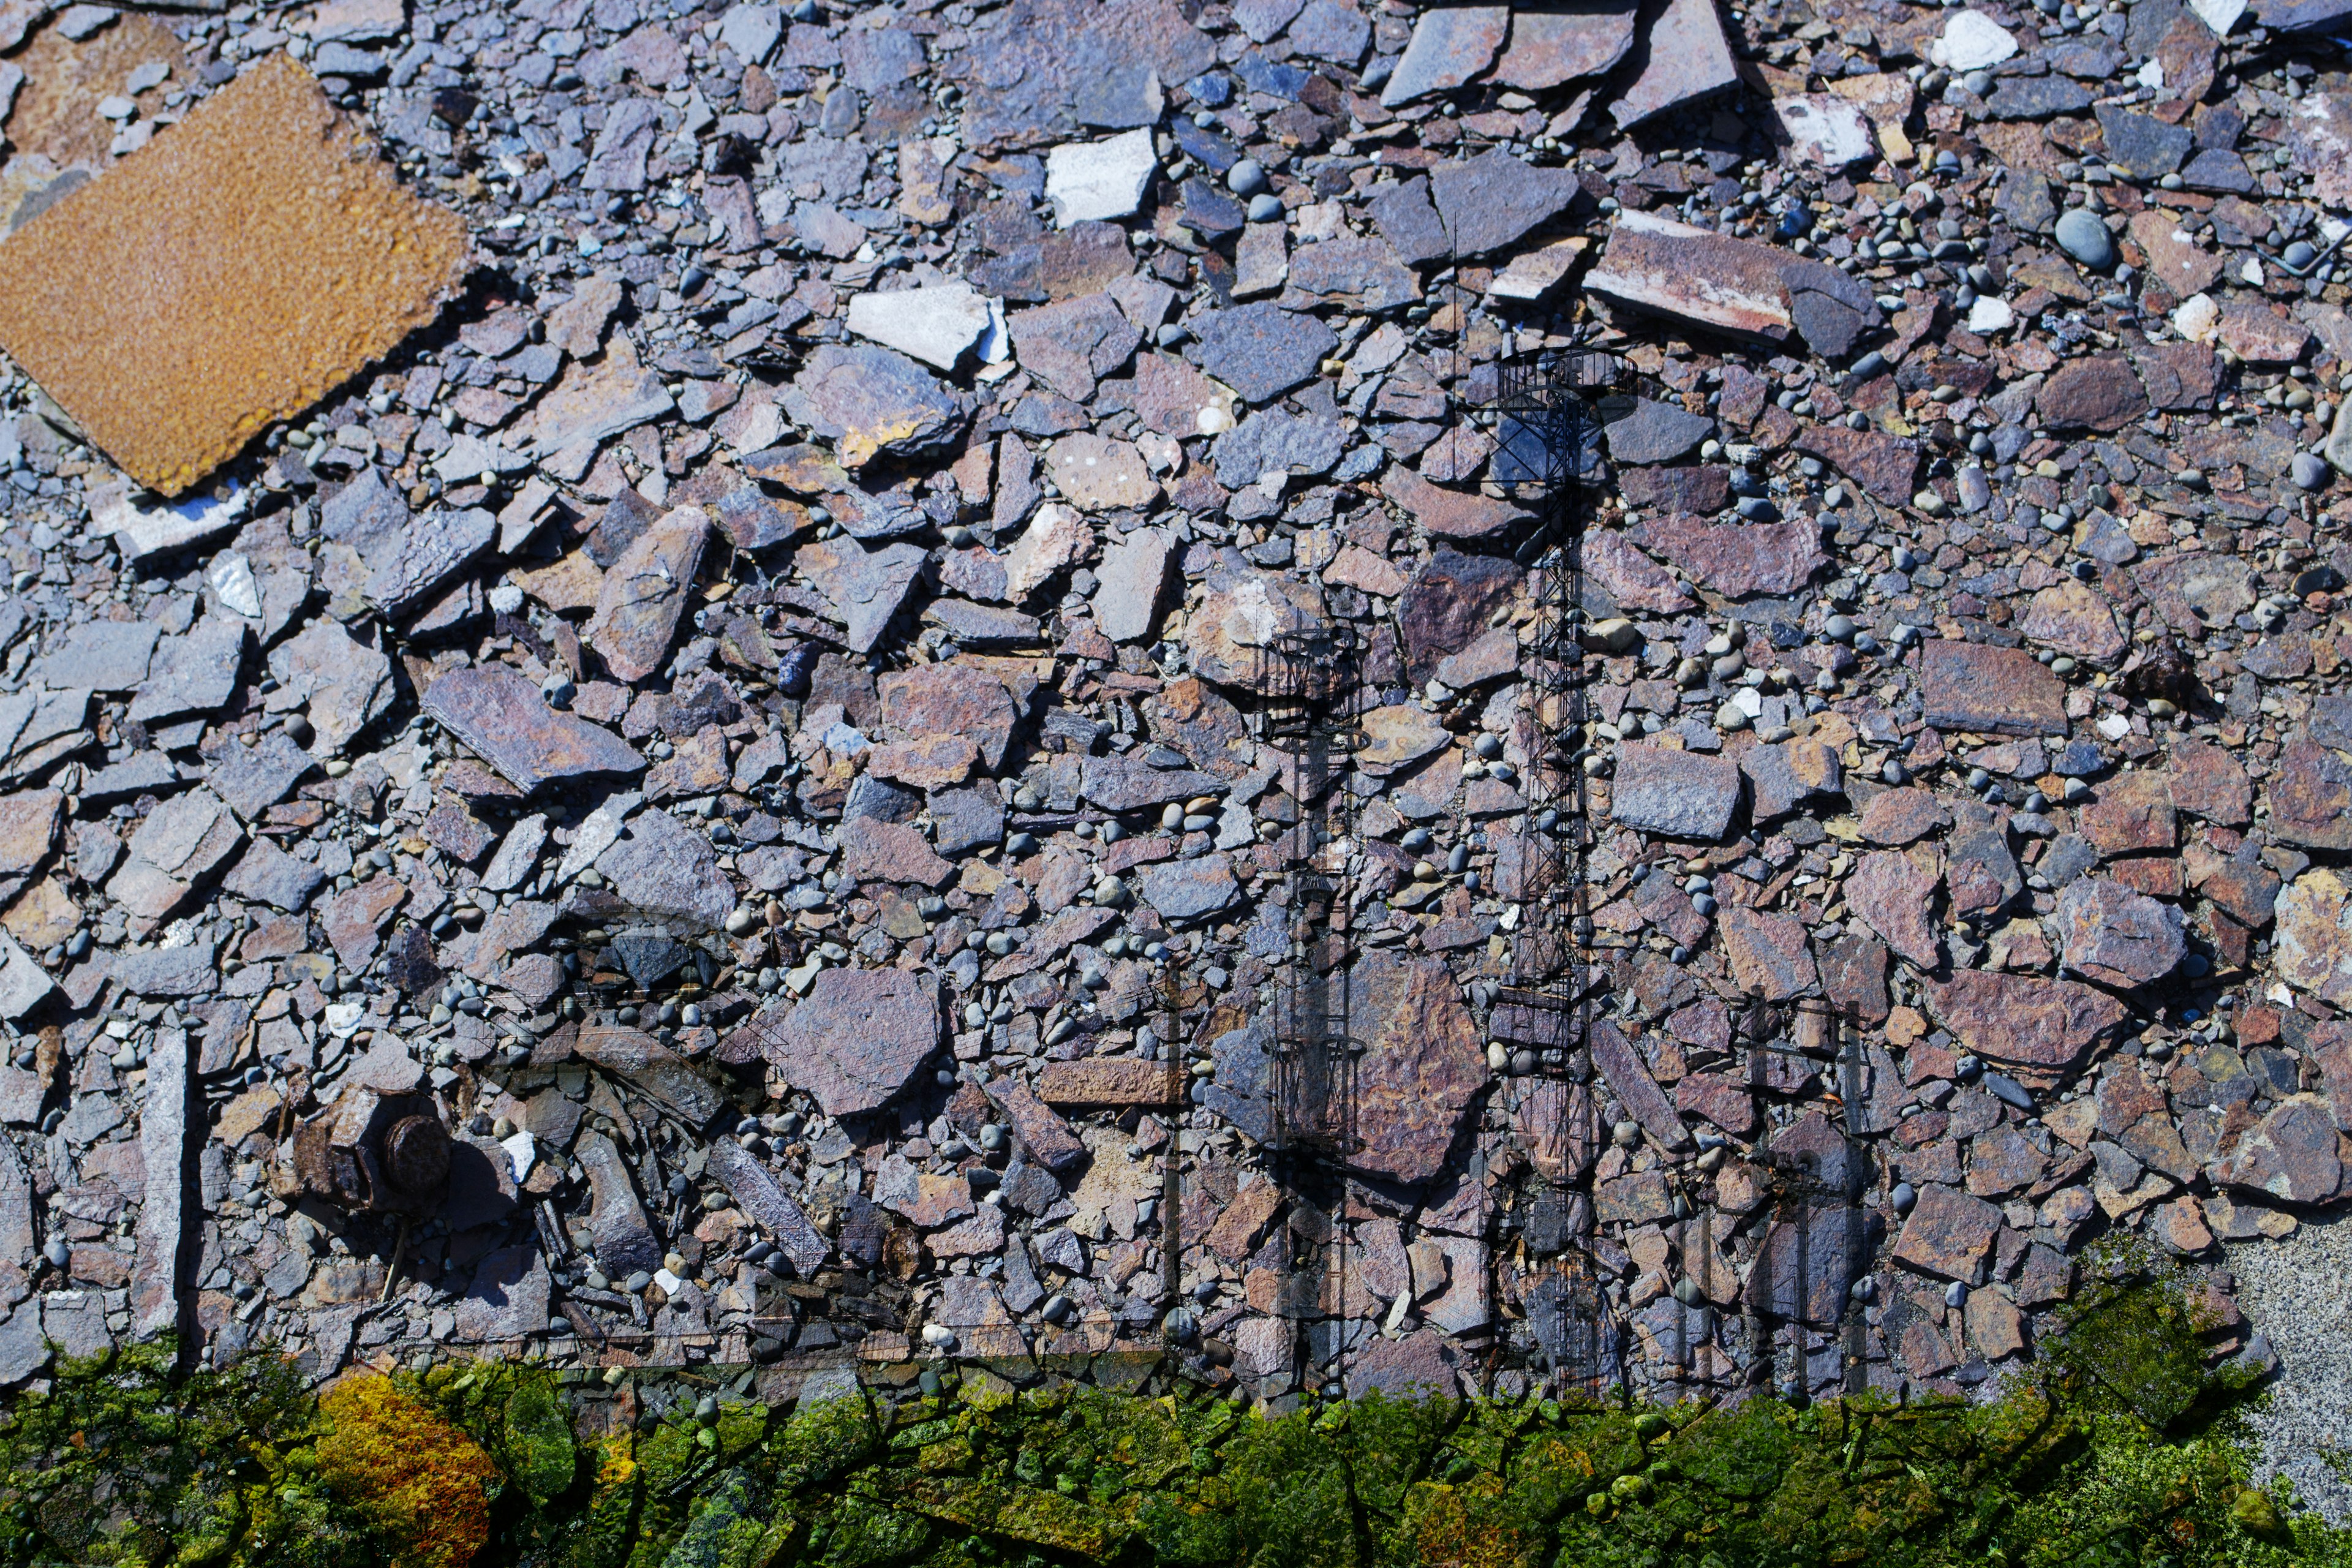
508	723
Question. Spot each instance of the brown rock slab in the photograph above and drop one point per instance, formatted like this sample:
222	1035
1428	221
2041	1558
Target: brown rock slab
647	589
2310	794
1979	687
2289	1156
2099	392
502	717
1948	1234
2132	812
950	699
1883	465
1894	895
1422	1066
873	850
2071	617
2314	950
1100	474
1769	953
2194	592
1043	1136
1626	1073
1898	816
2173	254
1109	1081
1453	514
2046	1026
1631	578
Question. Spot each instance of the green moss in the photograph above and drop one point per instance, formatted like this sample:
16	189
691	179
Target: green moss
2124	1450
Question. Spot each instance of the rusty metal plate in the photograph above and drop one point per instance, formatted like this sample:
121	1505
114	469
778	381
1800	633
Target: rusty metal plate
225	277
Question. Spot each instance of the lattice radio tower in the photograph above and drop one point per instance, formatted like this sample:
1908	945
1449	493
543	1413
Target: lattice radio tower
1547	431
1311	681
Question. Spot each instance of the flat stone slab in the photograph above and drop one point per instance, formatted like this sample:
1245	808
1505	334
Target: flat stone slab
505	721
1683	794
939	324
1986	689
858	1039
1262	351
1099	181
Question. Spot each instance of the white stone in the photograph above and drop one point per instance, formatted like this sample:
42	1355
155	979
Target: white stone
2219	14
670	1283
750	31
2252	272
523	1150
1536	273
1990	314
24	984
145	531
1825	130
1099	180
1973	41
2197	319
231	577
2151	76
938	325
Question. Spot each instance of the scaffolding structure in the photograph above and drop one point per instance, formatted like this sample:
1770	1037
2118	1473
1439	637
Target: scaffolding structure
1801	1290
1311	683
1547	428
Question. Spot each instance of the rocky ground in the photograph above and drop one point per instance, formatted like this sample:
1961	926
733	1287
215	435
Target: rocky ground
747	720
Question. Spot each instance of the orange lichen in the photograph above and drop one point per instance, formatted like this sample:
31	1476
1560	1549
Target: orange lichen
425	1483
229	274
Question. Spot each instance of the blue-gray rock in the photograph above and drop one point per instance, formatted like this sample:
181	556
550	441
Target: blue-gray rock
1262	351
1188	890
2310	470
1489	201
2037	97
1655	432
1274	438
2143	146
2215	169
2081	236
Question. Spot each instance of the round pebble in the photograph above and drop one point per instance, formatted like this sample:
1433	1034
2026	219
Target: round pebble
2310	471
2081	236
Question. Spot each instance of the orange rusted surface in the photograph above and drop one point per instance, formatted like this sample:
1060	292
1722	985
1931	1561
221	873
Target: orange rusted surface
227	276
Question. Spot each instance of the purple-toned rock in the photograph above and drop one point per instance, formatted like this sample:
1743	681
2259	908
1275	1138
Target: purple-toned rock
1682	795
858	1038
2290	1156
2024	1021
1742	558
501	717
1422	1066
2117	937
